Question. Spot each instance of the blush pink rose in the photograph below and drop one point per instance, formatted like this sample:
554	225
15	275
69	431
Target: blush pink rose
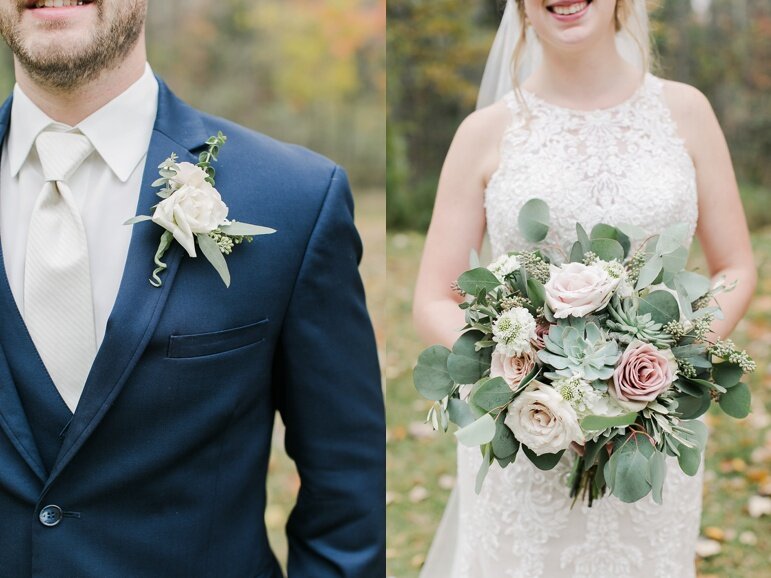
541	329
577	289
513	369
644	372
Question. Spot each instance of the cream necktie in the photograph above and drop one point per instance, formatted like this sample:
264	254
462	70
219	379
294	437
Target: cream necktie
58	302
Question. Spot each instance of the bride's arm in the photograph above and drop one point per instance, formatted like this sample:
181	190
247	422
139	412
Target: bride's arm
722	228
457	224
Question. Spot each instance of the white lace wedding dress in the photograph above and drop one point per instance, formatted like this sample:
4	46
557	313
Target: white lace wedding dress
625	164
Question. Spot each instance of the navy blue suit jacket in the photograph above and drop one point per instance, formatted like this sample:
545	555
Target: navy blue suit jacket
161	471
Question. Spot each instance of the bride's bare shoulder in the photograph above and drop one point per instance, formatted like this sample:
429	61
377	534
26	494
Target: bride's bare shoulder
691	112
687	103
476	143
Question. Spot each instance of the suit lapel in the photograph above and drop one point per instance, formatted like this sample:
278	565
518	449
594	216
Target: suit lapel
178	128
13	420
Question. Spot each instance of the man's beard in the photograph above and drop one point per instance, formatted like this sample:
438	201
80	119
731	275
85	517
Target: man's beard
65	69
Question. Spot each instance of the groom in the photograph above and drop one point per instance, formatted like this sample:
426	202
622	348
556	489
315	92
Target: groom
135	421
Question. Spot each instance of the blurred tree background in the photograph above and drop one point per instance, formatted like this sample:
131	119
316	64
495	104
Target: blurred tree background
302	71
437	50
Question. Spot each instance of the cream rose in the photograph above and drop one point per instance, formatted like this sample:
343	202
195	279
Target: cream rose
513	369
577	289
195	206
643	373
543	420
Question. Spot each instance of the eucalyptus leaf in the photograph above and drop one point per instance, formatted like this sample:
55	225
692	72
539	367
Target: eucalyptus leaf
533	220
465	364
477	433
476	280
608	249
431	378
137	219
536	292
691	407
583	238
736	401
459	412
628	470
727	374
689	459
695	285
649	272
576	253
212	252
658	472
675	261
504	443
661	305
697	433
491	394
487	458
245	229
602	231
543	462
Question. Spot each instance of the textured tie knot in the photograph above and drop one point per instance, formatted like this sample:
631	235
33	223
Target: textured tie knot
61	153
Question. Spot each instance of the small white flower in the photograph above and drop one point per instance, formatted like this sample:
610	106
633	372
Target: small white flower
543	420
195	206
586	399
504	265
513	330
577	289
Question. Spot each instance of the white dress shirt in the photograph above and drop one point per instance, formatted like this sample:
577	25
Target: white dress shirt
106	186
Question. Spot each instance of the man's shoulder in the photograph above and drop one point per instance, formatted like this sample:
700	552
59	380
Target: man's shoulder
255	150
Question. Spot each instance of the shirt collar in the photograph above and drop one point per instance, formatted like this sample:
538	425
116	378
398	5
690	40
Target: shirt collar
120	131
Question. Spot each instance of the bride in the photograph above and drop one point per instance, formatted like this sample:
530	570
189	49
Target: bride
578	121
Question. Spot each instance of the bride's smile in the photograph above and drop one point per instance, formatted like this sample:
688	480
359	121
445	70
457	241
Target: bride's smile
568	11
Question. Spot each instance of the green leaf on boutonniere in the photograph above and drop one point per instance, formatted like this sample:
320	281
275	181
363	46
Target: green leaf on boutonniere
235	229
163	246
138	219
212	252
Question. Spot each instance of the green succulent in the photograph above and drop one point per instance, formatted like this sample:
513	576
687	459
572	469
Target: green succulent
626	324
577	347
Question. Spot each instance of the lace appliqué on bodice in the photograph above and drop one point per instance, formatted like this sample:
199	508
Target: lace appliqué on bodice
624	164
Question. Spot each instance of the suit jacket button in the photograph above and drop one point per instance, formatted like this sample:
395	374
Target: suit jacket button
50	516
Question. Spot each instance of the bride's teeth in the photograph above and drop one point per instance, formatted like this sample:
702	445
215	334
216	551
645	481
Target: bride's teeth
58	3
571	9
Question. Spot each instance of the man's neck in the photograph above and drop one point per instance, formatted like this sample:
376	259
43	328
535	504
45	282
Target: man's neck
73	106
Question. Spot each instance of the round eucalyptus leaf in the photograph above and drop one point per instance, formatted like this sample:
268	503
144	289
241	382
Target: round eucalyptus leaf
689	459
505	444
431	378
543	462
736	401
662	306
478	432
534	220
727	374
477	280
691	407
465	364
607	249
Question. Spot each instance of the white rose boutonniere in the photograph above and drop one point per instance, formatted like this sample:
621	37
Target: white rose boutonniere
192	211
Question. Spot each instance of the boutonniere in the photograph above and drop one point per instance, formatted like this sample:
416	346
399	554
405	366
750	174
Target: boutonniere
193	213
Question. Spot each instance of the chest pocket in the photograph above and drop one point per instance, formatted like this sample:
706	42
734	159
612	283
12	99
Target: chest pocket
211	343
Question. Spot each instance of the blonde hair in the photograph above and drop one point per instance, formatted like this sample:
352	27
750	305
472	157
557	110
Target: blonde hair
627	20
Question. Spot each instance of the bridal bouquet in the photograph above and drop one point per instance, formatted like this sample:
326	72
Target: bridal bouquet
603	350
